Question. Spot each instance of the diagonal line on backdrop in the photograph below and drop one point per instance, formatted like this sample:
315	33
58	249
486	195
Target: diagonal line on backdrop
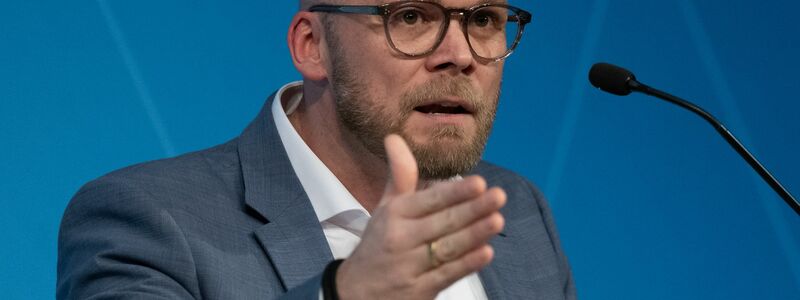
730	109
136	76
575	100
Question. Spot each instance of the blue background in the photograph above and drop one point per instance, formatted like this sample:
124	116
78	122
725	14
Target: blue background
650	202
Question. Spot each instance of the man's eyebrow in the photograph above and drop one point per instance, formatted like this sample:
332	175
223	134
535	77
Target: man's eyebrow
474	4
483	2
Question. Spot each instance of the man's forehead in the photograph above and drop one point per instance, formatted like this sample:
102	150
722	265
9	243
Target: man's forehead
304	4
467	2
449	3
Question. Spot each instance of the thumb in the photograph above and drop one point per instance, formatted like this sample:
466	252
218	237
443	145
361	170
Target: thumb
402	166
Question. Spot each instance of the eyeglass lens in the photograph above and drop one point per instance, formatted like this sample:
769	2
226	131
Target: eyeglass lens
416	27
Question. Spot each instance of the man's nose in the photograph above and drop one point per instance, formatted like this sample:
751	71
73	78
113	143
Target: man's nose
453	52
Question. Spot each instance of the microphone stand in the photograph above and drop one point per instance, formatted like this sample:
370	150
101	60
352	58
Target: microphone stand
635	85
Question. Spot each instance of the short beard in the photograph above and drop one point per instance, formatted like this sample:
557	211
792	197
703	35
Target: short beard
451	151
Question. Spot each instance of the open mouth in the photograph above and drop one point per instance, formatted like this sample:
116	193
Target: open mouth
442	108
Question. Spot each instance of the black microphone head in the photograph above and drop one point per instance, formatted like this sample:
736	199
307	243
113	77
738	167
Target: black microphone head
611	78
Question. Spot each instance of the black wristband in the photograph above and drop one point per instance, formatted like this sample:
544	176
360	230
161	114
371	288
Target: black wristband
329	280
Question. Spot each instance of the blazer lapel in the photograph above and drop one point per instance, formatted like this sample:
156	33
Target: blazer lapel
292	238
489	276
524	264
295	244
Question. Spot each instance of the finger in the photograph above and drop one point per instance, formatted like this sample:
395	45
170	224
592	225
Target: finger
403	167
455	218
442	195
455	245
445	275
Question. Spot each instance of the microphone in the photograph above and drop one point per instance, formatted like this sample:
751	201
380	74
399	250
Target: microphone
621	82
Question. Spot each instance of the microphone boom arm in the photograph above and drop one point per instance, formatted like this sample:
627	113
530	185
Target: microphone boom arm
725	133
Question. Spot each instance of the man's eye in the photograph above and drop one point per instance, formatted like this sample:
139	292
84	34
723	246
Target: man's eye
482	20
410	17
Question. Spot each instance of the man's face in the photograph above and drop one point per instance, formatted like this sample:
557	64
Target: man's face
442	104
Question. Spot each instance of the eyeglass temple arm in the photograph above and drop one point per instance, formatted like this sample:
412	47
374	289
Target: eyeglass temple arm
523	17
347	9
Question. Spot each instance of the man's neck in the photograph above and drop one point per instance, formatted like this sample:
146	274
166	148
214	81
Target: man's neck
363	173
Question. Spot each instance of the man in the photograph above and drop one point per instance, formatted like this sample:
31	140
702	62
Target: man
374	157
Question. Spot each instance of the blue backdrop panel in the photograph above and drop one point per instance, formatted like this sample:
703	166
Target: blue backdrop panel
650	202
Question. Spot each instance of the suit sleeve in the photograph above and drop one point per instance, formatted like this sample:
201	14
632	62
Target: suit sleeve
114	243
117	242
549	222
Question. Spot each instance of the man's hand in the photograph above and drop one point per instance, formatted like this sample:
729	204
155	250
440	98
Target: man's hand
394	259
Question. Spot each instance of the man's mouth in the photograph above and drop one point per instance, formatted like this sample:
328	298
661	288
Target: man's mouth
444	107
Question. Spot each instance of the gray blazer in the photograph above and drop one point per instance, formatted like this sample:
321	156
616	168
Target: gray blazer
233	222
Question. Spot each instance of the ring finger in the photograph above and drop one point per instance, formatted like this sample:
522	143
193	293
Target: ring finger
453	246
461	216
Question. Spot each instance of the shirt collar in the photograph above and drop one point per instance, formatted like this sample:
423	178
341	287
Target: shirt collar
327	194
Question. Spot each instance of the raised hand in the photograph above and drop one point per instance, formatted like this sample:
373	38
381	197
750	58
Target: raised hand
418	243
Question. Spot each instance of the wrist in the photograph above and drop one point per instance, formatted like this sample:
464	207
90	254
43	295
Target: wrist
329	282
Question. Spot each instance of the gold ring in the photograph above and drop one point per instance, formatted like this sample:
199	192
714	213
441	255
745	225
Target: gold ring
434	261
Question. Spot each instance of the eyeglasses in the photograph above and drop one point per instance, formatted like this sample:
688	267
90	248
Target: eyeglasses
417	28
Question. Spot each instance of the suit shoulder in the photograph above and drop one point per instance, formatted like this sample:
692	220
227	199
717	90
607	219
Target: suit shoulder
502	176
181	167
164	182
524	197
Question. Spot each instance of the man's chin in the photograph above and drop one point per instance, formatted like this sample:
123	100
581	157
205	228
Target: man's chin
443	156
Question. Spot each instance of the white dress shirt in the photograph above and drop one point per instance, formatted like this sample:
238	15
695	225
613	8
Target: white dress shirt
341	216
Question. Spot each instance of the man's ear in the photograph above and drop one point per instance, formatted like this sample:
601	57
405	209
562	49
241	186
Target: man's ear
305	45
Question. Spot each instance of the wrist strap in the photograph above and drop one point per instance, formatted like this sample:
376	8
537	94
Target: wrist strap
329	280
